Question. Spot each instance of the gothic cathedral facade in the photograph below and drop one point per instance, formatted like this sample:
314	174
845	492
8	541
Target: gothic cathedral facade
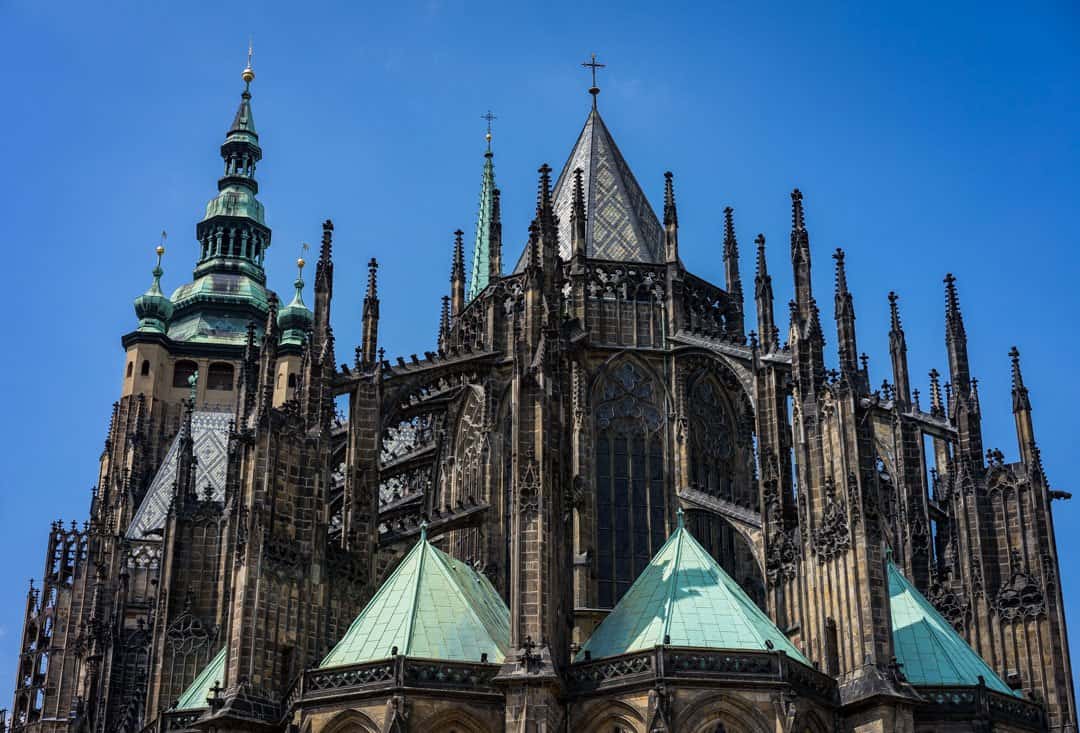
599	503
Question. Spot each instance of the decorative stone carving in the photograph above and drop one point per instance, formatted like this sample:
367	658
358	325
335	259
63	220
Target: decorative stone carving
832	536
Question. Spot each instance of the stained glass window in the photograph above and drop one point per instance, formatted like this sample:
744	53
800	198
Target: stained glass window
629	480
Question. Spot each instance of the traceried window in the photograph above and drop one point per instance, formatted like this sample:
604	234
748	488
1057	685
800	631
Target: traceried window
629	479
710	440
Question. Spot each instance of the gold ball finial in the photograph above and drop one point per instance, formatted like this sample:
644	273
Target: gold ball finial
300	262
487	137
248	74
160	249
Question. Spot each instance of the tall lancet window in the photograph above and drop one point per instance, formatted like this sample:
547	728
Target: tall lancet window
629	478
711	452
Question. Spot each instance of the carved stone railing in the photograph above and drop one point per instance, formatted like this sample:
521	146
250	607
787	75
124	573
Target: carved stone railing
979	703
393	673
676	665
179	720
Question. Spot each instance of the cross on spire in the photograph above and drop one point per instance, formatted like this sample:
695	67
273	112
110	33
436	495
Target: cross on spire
488	117
593	65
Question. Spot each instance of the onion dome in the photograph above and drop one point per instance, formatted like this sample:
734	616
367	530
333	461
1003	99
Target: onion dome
153	308
295	319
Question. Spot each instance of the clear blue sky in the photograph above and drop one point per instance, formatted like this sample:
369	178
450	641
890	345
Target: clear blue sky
924	140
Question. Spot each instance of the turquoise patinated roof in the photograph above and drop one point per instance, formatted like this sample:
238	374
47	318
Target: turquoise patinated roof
432	607
686	596
928	647
195	695
481	259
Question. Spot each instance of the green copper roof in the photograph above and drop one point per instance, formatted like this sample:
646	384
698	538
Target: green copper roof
481	261
432	607
296	318
195	695
686	596
927	646
152	307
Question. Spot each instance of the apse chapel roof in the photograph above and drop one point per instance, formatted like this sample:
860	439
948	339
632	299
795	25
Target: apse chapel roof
433	607
195	696
684	598
619	222
927	645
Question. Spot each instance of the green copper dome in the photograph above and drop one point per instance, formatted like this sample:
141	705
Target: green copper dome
684	598
152	308
296	318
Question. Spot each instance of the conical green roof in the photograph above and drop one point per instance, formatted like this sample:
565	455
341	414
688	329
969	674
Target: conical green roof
431	607
928	647
686	596
195	695
481	259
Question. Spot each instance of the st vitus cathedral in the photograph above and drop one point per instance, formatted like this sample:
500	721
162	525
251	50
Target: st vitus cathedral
598	503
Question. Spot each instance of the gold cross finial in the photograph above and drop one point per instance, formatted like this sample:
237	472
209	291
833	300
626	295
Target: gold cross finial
488	116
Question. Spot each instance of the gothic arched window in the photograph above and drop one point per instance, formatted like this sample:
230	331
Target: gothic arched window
629	479
710	440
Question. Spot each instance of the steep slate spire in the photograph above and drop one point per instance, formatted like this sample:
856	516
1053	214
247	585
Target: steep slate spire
370	343
481	256
233	235
1021	406
324	286
898	354
621	224
845	321
733	283
457	275
763	299
964	410
671	221
577	216
495	237
937	407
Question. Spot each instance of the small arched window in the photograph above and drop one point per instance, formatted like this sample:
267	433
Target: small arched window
219	376
182	373
145	370
131	365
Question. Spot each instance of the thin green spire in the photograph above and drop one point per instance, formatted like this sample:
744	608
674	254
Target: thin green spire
481	260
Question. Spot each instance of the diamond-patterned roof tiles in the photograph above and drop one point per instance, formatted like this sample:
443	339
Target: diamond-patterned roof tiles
433	607
684	595
210	433
620	224
927	645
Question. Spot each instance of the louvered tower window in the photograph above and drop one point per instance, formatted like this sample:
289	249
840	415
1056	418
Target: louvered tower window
629	479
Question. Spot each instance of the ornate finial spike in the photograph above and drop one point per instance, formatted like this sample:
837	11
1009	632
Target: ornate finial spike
841	273
593	64
193	383
680	517
489	117
373	266
888	554
894	311
797	220
248	74
423	531
671	216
